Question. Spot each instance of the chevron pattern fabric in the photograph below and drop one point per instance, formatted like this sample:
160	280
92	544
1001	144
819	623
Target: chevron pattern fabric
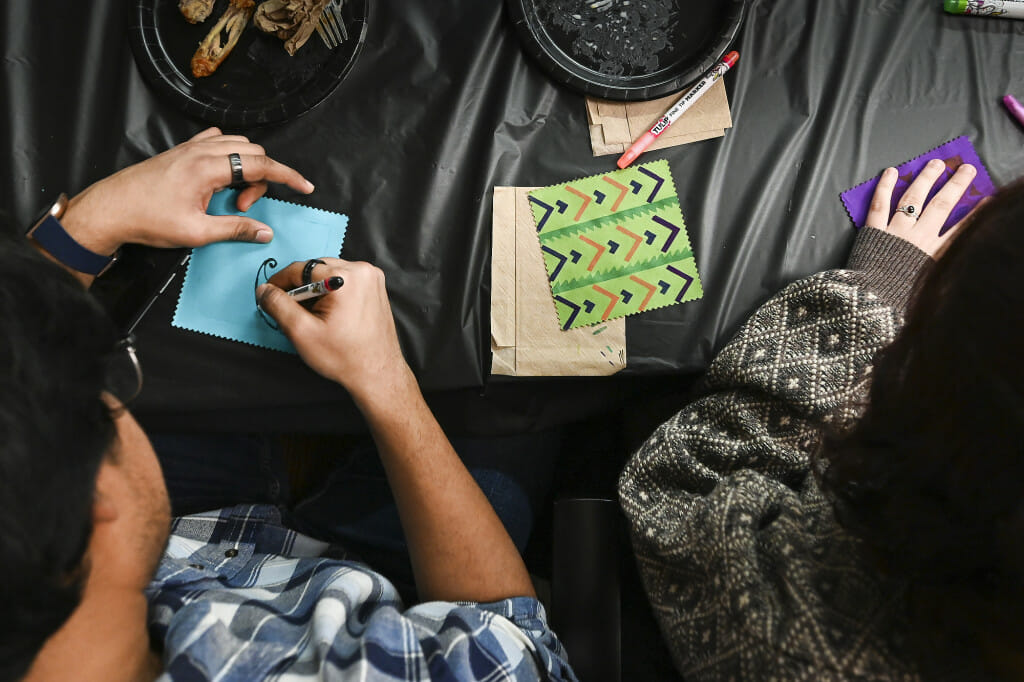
615	245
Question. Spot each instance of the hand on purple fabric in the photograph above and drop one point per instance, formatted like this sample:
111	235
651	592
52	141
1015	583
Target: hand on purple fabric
953	153
923	229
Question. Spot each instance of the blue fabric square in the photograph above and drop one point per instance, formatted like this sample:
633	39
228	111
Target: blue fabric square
217	296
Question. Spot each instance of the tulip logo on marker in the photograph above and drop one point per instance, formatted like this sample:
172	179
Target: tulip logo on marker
676	111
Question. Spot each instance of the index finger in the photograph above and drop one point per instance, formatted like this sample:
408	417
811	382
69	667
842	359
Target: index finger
256	168
289	276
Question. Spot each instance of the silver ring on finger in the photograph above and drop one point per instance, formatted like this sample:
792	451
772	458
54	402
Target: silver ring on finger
237	177
910	211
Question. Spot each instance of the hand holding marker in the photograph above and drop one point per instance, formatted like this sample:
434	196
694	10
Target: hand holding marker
678	109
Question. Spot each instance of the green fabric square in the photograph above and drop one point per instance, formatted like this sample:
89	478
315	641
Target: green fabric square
615	244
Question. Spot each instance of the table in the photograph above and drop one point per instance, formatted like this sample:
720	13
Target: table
442	106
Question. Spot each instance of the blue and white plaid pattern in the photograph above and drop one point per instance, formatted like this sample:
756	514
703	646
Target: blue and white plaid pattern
239	597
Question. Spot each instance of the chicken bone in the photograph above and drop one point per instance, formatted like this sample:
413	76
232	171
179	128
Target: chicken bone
293	21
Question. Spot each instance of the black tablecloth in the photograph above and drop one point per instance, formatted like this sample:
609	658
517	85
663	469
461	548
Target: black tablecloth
441	107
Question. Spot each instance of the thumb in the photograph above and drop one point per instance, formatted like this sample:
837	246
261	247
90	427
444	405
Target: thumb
950	235
236	229
293	318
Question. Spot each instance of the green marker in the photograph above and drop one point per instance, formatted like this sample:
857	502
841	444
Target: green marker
1003	9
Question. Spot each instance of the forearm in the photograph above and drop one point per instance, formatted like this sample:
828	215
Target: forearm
806	348
459	548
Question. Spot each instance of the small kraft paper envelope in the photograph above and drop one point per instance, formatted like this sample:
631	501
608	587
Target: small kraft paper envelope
614	126
526	338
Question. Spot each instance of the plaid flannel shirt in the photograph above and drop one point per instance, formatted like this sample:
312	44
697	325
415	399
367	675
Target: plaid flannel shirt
239	597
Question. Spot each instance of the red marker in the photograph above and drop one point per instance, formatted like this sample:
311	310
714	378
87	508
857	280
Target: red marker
678	109
315	289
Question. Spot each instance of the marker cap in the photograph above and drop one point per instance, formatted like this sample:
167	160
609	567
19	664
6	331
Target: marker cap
954	6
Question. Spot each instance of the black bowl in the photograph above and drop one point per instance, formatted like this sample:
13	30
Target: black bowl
635	50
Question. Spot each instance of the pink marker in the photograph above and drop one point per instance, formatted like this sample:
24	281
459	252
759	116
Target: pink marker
678	109
1015	108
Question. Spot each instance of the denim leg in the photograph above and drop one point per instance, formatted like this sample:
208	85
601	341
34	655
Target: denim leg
515	473
212	471
355	506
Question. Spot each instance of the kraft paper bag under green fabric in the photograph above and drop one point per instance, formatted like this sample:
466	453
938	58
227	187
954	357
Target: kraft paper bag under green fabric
615	244
218	295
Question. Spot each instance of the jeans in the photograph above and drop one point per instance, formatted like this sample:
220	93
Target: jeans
353	506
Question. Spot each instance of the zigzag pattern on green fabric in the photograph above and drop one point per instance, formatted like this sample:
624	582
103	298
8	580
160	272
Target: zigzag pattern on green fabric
622	271
621	216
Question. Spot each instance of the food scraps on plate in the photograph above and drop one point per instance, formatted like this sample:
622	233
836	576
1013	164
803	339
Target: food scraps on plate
293	21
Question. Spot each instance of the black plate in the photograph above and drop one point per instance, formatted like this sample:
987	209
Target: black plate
258	83
635	50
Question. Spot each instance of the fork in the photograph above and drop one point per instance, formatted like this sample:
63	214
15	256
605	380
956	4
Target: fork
331	26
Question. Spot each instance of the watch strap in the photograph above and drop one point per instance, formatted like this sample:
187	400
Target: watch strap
52	236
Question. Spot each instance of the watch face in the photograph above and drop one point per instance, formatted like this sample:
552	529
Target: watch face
57	211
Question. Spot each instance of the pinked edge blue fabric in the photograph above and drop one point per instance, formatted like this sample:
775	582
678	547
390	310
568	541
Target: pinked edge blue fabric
217	296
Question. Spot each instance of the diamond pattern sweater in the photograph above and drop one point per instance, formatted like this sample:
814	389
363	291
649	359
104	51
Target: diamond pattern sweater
748	573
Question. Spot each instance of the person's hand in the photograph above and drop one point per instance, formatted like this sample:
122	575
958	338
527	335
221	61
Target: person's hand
922	229
349	335
162	201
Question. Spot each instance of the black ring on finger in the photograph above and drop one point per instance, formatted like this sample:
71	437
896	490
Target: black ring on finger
307	269
236	169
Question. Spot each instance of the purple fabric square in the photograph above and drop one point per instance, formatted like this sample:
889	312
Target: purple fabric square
959	150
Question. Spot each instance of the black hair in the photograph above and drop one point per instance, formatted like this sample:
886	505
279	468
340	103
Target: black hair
932	476
55	429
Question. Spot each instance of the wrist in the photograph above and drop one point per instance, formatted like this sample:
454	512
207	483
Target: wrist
92	225
383	390
888	265
66	238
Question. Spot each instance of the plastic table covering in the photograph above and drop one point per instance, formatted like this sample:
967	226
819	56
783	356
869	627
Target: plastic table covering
441	106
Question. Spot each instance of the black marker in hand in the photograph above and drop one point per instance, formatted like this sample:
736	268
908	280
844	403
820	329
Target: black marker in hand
317	289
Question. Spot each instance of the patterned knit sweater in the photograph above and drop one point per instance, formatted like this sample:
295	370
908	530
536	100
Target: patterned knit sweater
747	570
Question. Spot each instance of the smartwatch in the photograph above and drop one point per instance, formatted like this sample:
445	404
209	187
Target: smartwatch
51	235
